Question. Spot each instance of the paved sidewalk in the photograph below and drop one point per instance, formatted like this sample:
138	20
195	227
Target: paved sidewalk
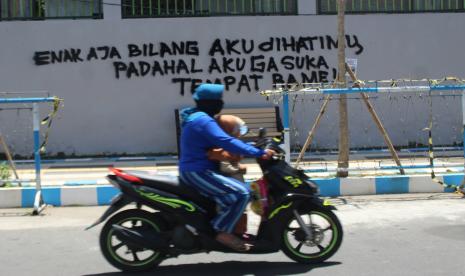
92	171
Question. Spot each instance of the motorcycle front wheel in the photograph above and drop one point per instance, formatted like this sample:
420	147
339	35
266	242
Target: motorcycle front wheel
127	257
326	236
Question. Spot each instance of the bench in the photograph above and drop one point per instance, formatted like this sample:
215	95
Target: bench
254	117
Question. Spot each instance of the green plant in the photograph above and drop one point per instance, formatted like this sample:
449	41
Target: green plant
5	174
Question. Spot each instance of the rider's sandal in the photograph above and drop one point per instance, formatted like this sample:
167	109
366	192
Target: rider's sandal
233	242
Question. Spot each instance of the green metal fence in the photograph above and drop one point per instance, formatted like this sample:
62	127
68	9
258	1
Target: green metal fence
179	8
392	6
50	9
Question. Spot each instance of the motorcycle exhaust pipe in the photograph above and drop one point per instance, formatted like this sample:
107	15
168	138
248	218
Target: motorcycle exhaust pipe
140	239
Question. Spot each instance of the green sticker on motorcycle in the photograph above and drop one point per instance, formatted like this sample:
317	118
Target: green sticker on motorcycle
172	202
276	211
295	182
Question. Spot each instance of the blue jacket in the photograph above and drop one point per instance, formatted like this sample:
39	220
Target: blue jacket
200	133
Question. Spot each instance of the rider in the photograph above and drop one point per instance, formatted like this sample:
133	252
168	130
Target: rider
200	133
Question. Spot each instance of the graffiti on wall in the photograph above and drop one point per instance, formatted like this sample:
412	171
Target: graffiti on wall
239	64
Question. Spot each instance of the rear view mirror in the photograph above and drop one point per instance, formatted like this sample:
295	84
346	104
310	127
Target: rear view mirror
262	133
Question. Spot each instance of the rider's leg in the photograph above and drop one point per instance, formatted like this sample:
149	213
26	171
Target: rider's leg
231	196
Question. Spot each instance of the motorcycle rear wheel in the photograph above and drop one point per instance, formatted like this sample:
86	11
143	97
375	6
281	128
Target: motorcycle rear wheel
327	236
128	257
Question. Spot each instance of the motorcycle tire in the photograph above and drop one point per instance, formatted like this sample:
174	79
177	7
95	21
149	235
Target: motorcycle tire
320	248
128	257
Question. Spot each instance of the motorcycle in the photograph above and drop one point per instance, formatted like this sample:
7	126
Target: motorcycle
170	219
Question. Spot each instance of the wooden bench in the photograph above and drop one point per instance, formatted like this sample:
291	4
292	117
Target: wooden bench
254	117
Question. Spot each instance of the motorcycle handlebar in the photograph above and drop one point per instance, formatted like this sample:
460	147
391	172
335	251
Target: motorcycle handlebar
264	142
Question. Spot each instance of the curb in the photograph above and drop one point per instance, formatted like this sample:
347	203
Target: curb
95	195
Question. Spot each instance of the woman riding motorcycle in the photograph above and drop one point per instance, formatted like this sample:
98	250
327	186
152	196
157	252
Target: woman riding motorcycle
200	133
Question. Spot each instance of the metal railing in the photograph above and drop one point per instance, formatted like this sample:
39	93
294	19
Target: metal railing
50	9
180	8
392	6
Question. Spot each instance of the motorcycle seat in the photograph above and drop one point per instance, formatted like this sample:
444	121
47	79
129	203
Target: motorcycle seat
172	184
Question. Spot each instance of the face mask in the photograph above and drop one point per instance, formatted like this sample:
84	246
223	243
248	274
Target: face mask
243	129
211	107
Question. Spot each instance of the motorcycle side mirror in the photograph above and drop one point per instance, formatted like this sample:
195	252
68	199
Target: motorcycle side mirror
262	133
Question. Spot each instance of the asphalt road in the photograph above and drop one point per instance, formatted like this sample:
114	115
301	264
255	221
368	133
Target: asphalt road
384	235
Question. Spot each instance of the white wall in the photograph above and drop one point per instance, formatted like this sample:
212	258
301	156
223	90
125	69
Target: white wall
103	114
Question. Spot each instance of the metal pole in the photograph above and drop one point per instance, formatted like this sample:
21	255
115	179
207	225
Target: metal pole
463	129
378	123
10	159
27	100
287	142
312	131
343	159
352	90
38	201
461	188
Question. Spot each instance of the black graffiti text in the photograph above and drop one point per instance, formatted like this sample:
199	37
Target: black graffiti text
61	56
103	53
282	44
316	76
304	62
75	55
261	64
240	64
155	68
162	49
238	83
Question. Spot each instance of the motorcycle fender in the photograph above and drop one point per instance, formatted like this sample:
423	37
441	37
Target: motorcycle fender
117	203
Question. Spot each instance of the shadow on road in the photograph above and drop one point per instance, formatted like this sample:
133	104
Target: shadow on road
233	268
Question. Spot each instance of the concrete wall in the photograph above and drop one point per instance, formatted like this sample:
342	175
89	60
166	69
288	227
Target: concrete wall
105	111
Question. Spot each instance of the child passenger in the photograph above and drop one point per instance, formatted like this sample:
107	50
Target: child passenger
230	163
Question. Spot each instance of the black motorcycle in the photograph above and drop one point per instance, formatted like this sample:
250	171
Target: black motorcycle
170	219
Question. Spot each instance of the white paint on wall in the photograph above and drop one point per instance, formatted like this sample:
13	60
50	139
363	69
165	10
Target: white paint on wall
103	114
